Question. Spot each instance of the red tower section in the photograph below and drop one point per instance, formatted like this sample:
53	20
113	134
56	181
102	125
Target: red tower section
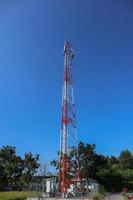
69	171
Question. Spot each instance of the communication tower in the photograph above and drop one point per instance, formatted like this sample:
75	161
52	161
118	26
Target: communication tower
69	179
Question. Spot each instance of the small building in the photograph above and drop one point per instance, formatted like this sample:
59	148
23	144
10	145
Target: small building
48	187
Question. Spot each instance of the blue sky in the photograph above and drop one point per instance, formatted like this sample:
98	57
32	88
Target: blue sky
31	70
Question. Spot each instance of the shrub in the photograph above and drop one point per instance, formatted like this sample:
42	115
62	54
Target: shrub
98	196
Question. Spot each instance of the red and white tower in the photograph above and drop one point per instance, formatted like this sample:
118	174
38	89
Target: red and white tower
69	174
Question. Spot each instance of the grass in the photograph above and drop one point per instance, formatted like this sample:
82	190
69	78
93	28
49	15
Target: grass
13	195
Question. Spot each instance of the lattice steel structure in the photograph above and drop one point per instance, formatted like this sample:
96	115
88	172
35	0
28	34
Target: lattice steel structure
69	172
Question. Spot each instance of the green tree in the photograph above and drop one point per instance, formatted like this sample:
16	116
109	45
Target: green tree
128	177
2	174
31	164
126	160
15	171
118	173
112	179
90	161
11	166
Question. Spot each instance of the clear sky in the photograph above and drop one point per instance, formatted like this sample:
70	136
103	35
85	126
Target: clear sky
31	69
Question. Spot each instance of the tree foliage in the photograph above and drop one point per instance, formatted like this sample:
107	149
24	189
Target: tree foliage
14	170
